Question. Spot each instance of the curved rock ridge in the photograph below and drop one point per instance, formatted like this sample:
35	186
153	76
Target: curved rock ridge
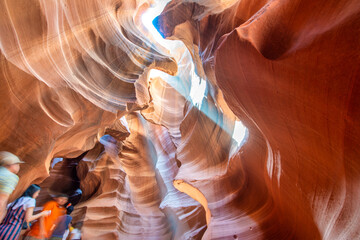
98	52
68	74
289	70
75	76
153	155
127	202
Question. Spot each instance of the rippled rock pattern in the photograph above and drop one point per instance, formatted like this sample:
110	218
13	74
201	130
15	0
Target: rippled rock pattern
143	159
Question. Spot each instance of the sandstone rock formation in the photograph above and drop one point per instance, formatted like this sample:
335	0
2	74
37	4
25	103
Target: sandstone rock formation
149	155
288	72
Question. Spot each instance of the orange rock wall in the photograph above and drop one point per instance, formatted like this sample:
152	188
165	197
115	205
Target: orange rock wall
74	71
289	71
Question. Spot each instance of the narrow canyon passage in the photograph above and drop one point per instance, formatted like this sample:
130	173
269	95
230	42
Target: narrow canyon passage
226	119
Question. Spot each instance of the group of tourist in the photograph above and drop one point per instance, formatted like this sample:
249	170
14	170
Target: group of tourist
18	219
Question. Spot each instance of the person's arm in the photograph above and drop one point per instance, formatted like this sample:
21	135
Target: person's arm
29	217
4	197
71	232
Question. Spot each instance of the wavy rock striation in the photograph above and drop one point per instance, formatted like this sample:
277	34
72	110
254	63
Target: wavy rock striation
149	155
289	71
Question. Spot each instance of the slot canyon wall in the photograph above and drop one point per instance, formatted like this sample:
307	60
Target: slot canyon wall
142	159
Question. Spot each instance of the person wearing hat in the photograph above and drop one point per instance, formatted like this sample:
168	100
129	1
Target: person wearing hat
9	167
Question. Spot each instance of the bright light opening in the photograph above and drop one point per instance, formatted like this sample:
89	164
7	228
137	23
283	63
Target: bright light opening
197	92
198	85
148	17
240	136
55	161
240	133
125	123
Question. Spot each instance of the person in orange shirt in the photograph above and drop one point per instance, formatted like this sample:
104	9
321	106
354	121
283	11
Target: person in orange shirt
44	228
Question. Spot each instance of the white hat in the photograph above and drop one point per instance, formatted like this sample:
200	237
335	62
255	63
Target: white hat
7	158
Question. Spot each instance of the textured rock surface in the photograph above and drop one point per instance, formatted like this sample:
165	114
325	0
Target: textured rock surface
289	70
154	163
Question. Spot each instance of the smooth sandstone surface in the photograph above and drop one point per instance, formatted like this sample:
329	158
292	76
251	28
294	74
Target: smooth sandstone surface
146	156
